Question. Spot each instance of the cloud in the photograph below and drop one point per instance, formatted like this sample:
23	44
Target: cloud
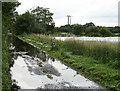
100	12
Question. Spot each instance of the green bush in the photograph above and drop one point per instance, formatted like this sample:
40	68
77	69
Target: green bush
77	29
98	31
104	32
91	30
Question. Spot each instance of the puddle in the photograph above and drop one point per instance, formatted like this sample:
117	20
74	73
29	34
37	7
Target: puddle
34	69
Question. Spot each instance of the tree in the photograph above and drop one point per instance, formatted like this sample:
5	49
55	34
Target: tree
104	32
51	28
91	30
116	29
43	17
98	31
35	28
23	23
65	28
88	25
77	29
8	15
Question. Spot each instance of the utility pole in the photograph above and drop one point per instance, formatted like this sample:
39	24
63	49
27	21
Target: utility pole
69	22
69	19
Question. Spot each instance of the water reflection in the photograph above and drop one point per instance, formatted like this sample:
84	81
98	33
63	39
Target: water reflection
34	69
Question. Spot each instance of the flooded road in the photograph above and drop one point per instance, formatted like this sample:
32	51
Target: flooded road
34	69
106	39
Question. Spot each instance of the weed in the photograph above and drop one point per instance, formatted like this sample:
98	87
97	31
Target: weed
40	64
49	76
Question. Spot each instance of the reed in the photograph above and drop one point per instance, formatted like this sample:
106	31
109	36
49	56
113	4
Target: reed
103	51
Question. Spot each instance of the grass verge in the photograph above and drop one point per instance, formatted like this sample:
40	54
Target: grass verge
6	77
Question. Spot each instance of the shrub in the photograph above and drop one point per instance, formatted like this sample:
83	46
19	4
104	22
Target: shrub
104	32
98	31
91	29
77	29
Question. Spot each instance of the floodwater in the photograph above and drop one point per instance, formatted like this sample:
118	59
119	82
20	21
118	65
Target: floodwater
107	39
34	69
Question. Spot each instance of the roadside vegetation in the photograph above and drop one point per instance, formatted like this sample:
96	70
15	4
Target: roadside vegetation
98	61
8	12
6	77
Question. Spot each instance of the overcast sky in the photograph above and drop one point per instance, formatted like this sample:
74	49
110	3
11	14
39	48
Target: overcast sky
100	12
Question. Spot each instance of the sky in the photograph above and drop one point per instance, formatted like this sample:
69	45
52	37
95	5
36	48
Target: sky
100	12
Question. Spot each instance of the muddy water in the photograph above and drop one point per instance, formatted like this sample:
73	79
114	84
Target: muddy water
34	69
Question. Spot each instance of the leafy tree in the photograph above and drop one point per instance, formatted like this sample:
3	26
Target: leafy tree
23	23
51	28
88	25
65	28
116	29
104	32
38	21
35	28
43	17
77	29
98	31
92	31
8	15
111	29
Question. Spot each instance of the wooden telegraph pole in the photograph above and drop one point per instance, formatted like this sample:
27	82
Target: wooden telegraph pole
69	19
69	22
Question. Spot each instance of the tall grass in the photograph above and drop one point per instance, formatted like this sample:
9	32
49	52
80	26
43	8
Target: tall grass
103	51
6	77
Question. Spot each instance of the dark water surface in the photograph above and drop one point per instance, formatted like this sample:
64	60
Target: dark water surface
51	74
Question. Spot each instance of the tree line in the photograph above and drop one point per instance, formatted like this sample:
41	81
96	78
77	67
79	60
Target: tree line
40	20
89	29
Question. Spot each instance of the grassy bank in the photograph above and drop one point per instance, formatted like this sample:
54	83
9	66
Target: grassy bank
96	60
6	78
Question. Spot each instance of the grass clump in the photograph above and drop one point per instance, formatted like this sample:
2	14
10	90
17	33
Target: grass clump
40	64
49	76
45	71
